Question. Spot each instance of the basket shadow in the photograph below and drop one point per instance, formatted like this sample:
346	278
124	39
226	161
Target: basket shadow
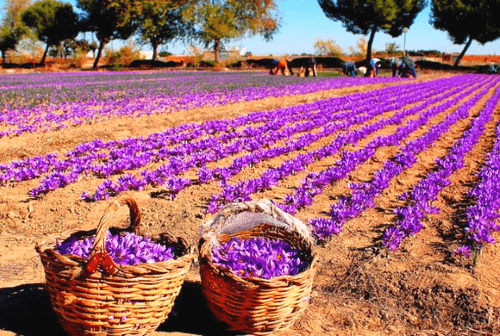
26	310
191	315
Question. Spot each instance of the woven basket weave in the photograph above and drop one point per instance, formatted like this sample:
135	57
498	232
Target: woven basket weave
133	300
250	304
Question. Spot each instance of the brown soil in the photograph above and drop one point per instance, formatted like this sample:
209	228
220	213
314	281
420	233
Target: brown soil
359	289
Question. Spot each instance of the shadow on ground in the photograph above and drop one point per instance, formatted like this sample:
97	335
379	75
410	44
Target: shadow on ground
26	310
191	315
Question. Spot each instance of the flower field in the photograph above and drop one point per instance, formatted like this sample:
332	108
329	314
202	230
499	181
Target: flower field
396	178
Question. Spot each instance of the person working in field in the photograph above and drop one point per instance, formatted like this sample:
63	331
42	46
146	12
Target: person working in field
395	63
349	69
277	66
372	68
407	68
492	69
307	66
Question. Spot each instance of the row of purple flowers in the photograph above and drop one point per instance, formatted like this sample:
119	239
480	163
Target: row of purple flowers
256	137
347	163
104	159
363	195
419	199
29	109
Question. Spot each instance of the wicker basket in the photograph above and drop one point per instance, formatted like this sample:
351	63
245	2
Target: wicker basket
250	304
133	300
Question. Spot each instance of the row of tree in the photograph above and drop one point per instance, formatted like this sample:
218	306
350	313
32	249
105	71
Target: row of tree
215	22
465	21
157	22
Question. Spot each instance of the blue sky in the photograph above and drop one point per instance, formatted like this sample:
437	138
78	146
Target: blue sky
303	21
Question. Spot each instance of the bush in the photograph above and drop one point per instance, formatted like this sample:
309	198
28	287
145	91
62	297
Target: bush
260	63
238	64
207	64
329	62
122	57
431	65
79	57
164	53
155	64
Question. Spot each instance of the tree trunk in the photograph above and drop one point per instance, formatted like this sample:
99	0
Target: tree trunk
42	61
102	42
217	51
370	44
3	58
155	50
459	59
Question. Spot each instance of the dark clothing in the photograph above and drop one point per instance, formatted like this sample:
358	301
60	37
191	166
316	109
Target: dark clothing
372	69
309	64
492	69
349	69
407	67
394	67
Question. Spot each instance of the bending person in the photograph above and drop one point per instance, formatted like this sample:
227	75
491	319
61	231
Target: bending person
407	68
277	66
310	66
372	68
394	66
307	66
349	69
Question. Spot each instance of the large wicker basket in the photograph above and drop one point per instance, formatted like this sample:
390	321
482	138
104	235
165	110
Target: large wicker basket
133	300
250	304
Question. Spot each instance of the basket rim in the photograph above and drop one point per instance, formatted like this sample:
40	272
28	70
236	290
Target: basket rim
224	271
205	251
47	247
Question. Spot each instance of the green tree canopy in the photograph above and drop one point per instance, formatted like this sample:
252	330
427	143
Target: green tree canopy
162	22
52	22
219	21
108	19
12	28
369	16
467	20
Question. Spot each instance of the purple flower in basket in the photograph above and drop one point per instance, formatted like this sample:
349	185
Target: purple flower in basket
259	257
124	249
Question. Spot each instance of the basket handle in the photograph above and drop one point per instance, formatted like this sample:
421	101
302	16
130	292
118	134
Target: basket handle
99	255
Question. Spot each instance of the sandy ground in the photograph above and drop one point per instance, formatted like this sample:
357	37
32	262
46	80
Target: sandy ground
359	289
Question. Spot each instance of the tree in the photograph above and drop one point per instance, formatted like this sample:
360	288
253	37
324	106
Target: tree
31	45
467	21
360	48
12	28
369	16
327	47
391	48
108	19
52	22
219	21
162	22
